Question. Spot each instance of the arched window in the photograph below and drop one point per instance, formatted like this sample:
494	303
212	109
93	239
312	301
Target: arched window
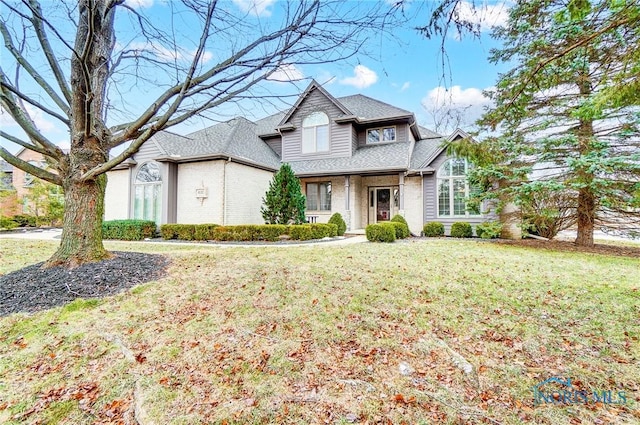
454	189
315	133
147	204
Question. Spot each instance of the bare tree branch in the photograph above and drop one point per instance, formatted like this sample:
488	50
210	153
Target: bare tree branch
30	168
8	42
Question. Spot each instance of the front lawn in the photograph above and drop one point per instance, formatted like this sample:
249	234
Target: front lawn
435	331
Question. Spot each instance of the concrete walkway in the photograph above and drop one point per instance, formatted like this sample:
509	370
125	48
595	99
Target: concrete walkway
55	234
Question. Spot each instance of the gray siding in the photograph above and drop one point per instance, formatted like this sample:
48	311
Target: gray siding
275	143
169	192
340	135
402	133
431	201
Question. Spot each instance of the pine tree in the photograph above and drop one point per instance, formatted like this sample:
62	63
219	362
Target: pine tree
284	202
563	135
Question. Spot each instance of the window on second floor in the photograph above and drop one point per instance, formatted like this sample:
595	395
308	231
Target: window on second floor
381	135
315	133
319	196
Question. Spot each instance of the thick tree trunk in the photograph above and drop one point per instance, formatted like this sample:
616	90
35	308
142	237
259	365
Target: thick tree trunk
82	232
585	217
586	210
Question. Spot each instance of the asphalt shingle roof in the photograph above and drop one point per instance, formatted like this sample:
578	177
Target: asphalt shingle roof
366	108
235	138
391	156
424	152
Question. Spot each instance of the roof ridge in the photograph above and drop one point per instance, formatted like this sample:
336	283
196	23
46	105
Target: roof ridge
375	100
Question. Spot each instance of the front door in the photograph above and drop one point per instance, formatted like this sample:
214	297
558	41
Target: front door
381	203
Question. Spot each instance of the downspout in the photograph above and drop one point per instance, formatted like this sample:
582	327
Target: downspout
422	195
224	191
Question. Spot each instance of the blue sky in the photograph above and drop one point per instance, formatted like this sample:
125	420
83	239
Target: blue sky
405	72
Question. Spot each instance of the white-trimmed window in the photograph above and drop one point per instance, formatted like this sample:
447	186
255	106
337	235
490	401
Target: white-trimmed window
454	189
381	135
147	203
315	133
319	196
30	178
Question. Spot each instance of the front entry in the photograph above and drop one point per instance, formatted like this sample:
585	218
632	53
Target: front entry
383	203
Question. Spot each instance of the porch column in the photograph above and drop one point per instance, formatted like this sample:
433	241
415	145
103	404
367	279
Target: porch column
347	196
401	184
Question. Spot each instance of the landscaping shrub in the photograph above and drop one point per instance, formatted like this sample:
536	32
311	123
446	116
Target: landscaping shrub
433	229
247	232
186	232
399	219
24	220
461	229
338	221
7	223
204	232
402	230
381	232
169	231
128	230
305	232
489	230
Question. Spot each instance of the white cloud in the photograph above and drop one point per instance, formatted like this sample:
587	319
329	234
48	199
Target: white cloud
325	77
405	86
362	77
286	72
455	106
255	7
38	117
483	15
139	3
169	55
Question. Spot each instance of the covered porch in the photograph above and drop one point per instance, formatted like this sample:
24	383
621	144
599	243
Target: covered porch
364	199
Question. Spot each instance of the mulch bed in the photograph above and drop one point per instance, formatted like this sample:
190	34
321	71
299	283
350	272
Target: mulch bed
34	288
604	249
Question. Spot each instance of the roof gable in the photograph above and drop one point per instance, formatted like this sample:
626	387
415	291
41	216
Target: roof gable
313	86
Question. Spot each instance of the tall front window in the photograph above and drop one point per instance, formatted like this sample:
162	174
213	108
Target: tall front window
315	133
454	189
147	203
319	196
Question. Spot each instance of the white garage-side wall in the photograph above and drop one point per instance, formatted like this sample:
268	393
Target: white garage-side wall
116	197
413	204
195	175
245	188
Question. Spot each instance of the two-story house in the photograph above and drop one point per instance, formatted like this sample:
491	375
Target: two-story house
355	155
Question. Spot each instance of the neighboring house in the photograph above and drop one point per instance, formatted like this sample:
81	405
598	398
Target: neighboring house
8	198
355	155
22	183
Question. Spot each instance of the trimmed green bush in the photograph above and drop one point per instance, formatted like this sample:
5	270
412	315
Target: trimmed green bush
249	232
461	229
128	230
337	219
305	232
169	231
433	229
204	232
25	220
381	232
7	223
186	232
402	230
399	219
489	230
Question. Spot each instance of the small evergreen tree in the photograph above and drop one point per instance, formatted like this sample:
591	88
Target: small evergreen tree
284	202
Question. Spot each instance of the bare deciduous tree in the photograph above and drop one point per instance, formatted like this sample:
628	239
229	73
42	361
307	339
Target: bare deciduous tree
74	60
